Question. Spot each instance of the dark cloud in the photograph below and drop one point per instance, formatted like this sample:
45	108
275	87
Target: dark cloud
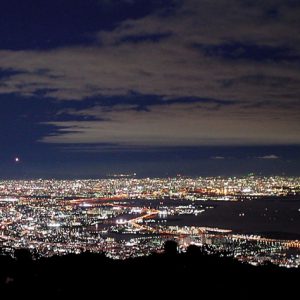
239	51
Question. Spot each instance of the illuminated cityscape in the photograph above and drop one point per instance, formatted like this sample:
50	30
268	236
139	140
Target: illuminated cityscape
149	147
125	216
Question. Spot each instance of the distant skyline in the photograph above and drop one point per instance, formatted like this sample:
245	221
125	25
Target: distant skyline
156	87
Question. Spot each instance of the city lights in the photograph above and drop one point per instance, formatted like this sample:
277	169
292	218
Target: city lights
126	217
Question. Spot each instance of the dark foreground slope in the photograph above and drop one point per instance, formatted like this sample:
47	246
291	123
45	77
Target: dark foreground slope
192	274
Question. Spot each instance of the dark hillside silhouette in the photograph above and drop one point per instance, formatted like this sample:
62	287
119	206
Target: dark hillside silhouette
168	274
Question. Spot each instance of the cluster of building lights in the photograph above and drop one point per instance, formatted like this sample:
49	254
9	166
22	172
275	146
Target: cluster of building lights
58	217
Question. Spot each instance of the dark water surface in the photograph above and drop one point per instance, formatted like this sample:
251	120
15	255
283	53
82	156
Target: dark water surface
271	216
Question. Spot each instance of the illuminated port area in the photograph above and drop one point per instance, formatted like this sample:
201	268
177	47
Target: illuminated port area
128	217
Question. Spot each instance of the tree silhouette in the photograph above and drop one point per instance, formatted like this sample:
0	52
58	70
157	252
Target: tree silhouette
170	248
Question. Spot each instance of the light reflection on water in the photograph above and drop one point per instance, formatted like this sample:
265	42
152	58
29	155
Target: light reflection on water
274	217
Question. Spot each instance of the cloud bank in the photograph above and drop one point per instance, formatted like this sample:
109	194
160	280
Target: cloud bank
246	52
186	53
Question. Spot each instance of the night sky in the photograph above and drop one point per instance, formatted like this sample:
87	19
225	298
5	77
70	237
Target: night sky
157	87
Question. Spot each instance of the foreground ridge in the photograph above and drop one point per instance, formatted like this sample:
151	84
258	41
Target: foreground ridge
193	271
